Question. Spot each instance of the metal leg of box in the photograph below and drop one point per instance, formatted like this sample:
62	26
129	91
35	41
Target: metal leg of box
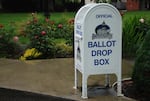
119	85
107	80
76	79
84	86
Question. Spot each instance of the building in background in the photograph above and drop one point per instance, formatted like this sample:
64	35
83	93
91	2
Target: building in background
137	4
129	5
132	5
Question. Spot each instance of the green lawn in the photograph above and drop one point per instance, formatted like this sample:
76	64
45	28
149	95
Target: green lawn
6	18
142	14
62	16
19	18
138	13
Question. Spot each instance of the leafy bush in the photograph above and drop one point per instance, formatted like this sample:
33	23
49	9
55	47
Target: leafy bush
141	72
143	26
63	30
38	33
9	46
134	30
43	32
63	50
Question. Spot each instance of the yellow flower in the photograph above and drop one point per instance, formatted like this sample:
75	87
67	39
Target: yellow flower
31	53
22	58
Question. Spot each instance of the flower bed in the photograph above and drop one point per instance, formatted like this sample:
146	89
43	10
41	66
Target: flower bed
42	34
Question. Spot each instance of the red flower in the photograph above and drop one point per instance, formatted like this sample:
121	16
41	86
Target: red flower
43	33
1	26
60	26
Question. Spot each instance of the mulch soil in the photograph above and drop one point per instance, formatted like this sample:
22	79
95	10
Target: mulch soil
16	95
129	91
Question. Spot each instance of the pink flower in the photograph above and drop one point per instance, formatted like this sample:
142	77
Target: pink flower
36	37
141	20
60	26
15	38
47	20
43	33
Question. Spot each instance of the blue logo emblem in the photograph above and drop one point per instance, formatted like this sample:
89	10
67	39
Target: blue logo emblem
102	32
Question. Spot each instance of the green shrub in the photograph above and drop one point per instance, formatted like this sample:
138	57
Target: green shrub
63	30
141	72
43	32
134	30
39	34
9	46
63	50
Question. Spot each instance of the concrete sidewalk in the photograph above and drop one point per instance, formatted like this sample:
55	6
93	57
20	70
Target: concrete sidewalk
53	77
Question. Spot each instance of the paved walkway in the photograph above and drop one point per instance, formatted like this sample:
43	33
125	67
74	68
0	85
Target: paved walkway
53	77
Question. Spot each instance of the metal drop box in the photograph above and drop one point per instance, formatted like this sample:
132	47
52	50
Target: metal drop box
98	43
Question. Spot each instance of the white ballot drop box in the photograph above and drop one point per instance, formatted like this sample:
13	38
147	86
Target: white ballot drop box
98	43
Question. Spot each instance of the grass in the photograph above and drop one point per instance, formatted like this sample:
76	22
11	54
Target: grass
142	14
62	16
19	18
6	18
138	13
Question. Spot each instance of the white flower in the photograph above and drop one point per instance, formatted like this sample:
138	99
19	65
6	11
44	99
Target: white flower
141	20
15	38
